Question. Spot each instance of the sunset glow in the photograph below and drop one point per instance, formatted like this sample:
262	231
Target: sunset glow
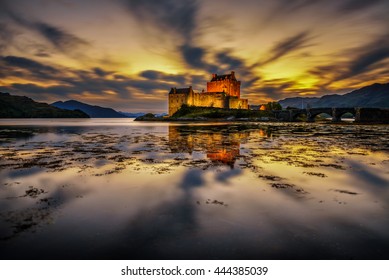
127	54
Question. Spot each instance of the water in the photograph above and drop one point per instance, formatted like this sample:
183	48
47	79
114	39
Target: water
118	189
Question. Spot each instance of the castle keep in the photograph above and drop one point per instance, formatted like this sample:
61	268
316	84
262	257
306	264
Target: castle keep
223	91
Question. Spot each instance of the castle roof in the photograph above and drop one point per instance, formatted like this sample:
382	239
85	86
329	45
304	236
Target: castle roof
216	77
180	90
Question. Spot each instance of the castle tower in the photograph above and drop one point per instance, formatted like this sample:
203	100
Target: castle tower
178	97
223	91
224	83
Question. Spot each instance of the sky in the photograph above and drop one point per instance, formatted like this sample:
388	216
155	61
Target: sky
127	54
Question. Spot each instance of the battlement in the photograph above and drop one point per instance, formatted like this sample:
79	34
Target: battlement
216	77
224	83
223	91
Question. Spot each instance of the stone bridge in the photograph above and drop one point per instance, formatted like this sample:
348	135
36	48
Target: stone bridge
361	115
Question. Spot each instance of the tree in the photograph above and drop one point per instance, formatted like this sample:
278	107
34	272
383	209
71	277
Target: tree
273	106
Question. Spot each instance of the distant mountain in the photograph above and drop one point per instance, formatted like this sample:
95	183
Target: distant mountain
373	96
162	115
92	110
298	102
132	115
13	106
135	115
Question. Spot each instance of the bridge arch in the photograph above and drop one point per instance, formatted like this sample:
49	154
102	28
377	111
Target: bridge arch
299	115
323	116
339	112
314	112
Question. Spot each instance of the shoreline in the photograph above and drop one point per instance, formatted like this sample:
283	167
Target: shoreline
240	120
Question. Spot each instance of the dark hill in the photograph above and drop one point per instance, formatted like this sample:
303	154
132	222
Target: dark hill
132	115
91	110
13	106
373	96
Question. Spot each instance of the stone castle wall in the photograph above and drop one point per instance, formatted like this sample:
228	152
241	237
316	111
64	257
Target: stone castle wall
238	103
222	92
228	86
205	99
176	101
209	99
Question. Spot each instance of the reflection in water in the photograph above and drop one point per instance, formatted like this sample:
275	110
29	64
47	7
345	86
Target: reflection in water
128	190
220	144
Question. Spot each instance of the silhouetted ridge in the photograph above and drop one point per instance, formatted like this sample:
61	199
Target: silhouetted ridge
92	110
373	96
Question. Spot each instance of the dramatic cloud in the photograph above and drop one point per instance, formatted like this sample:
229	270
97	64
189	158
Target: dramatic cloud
229	60
102	85
357	5
288	45
26	63
169	15
367	59
277	89
6	37
100	72
363	60
160	76
195	58
127	54
295	5
21	67
60	39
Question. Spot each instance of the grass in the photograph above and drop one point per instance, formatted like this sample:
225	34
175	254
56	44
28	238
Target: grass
218	113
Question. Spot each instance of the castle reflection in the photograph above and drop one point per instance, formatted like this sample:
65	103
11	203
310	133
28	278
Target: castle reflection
221	144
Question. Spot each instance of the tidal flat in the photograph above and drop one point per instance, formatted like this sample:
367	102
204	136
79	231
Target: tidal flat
118	189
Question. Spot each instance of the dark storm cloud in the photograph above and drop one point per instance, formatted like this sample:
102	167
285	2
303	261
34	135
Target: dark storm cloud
275	89
323	70
149	87
294	5
181	18
6	37
177	17
150	74
356	5
343	7
288	45
158	75
95	81
285	8
362	60
229	60
60	39
328	10
35	89
367	59
169	15
21	67
4	8
224	63
25	63
41	53
194	56
100	72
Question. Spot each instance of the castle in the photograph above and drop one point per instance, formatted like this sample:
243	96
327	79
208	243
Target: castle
223	91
